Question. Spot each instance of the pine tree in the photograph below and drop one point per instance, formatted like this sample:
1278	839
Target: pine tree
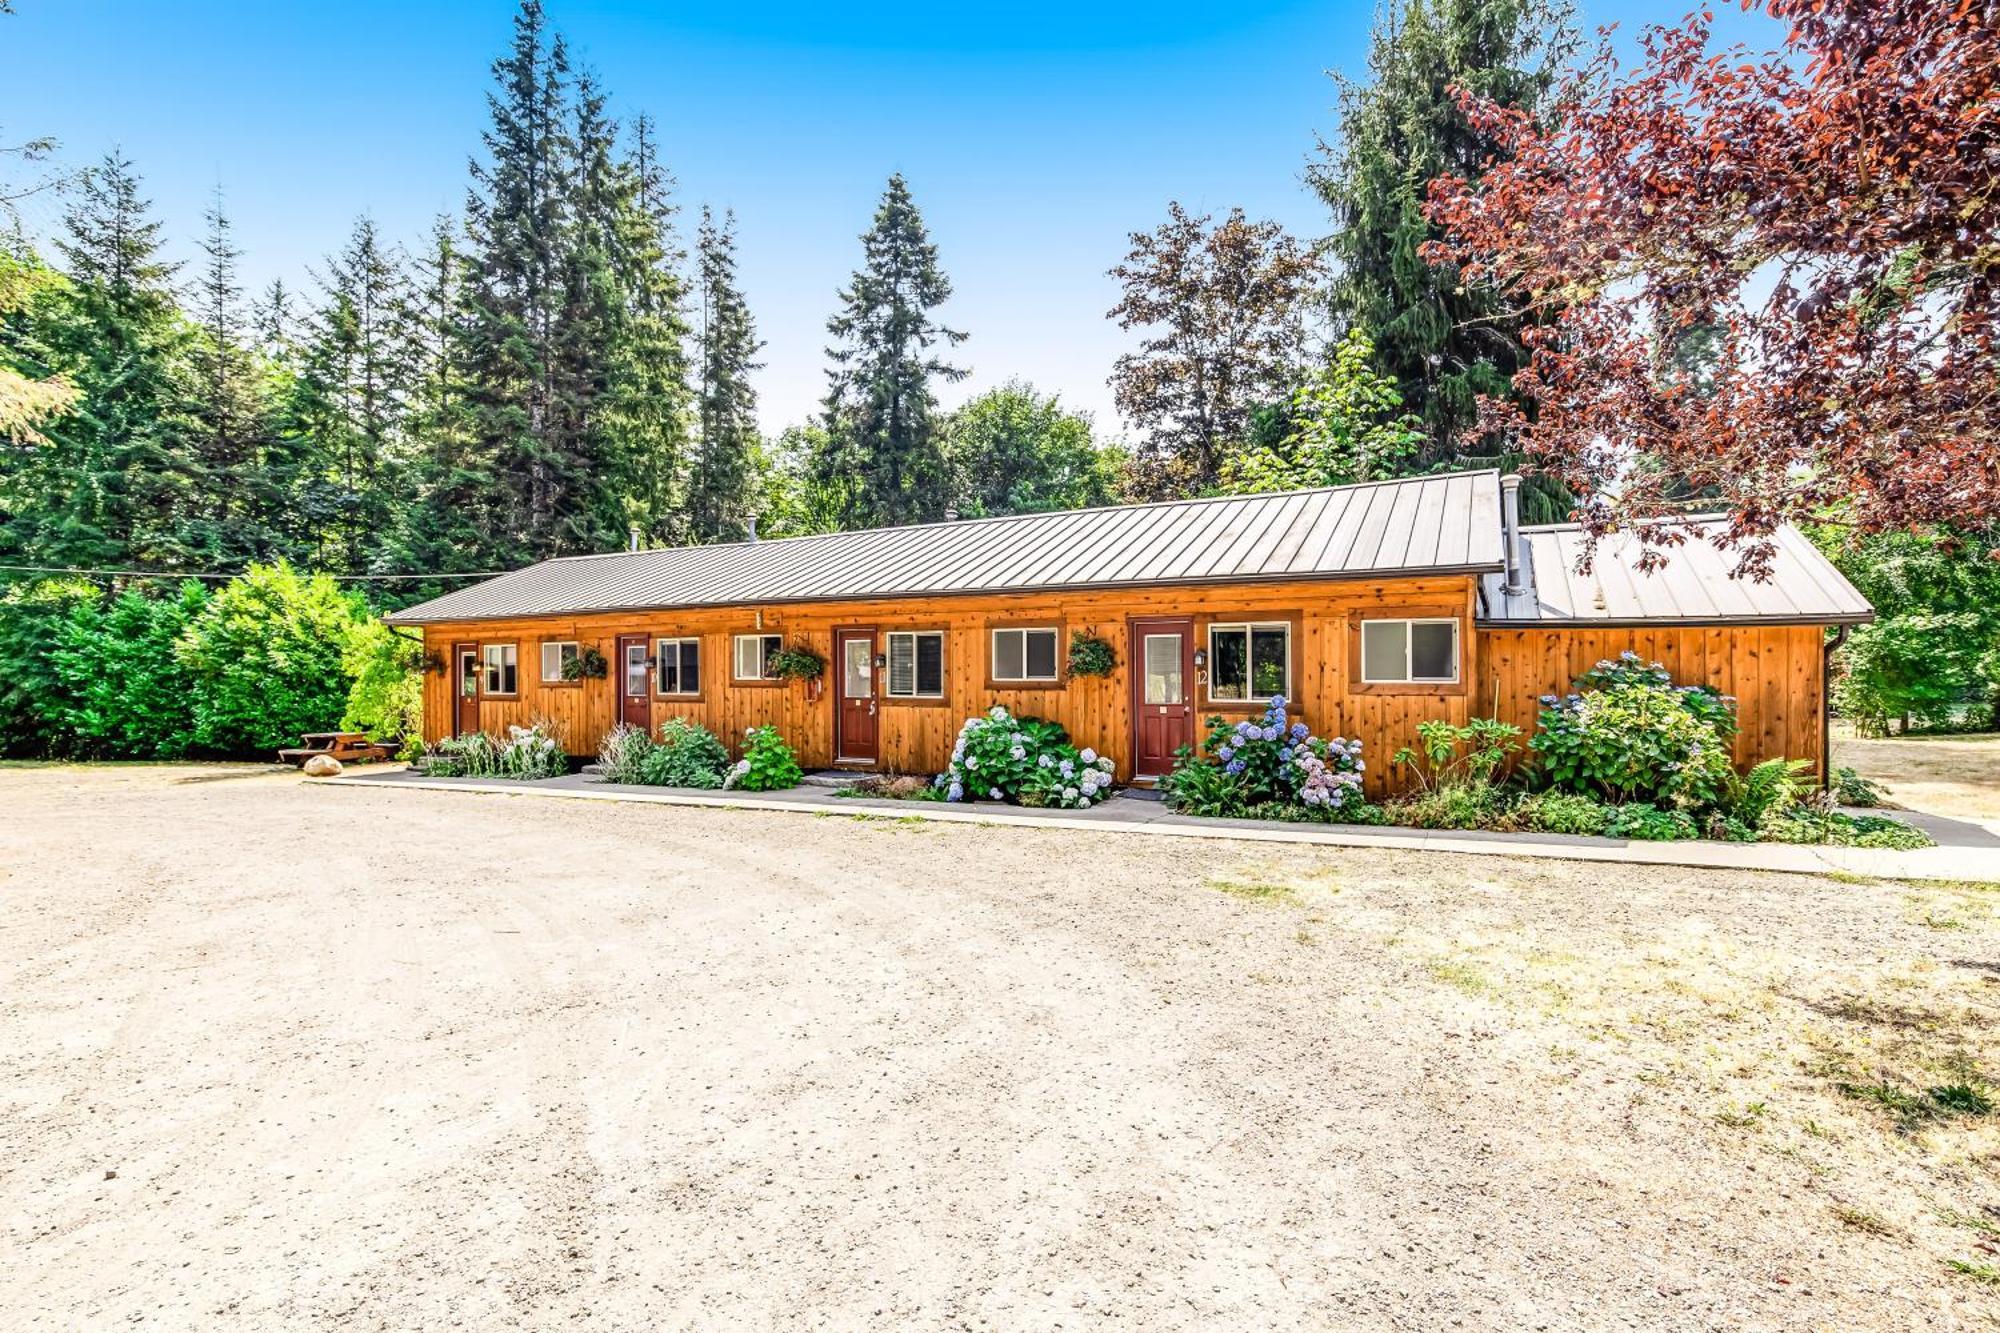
105	487
1445	343
720	496
881	417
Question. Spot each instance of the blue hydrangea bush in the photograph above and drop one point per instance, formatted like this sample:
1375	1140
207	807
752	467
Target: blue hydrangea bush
1000	757
1272	761
1626	733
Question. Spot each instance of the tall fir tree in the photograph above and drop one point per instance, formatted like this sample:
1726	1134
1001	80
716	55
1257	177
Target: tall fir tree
1444	342
884	446
104	488
721	494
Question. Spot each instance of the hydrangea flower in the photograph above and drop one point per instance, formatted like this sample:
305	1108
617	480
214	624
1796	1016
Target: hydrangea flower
1087	755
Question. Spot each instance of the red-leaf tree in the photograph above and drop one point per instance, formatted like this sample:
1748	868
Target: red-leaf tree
1774	280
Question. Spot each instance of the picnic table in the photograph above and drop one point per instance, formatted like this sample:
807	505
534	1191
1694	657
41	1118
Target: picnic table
346	746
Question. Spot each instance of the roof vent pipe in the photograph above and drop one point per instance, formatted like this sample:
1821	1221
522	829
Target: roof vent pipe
751	524
632	538
1510	534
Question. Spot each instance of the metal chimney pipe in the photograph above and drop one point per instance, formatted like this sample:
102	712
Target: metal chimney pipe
752	521
632	538
1510	534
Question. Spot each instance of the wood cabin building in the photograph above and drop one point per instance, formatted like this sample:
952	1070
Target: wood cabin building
1371	608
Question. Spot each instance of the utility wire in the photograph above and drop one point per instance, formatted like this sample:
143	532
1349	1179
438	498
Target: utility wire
176	574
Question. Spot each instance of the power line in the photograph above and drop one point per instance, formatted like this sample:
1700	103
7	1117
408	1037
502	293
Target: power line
181	574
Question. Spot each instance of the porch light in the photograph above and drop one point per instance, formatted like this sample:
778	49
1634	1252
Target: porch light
1200	658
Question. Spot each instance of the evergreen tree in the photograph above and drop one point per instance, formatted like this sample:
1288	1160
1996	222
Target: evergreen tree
720	494
104	489
1444	342
881	417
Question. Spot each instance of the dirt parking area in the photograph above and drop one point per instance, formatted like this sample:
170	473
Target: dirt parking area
279	1056
1946	775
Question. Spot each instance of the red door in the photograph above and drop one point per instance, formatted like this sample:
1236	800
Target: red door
1162	657
635	682
465	686
856	737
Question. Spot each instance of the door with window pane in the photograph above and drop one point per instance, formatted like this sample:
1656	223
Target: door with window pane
856	733
465	693
1162	657
635	682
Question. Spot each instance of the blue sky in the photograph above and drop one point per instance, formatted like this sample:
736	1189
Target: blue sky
1035	136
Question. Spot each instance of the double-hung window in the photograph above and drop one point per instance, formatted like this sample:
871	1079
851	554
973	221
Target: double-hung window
559	658
502	668
1416	652
916	664
679	668
1025	655
1250	661
753	654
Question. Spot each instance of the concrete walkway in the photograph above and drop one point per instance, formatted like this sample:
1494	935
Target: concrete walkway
1965	851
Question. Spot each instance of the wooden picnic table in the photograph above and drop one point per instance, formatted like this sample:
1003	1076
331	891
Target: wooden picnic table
345	746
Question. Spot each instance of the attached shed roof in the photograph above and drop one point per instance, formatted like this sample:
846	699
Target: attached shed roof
1408	527
1695	585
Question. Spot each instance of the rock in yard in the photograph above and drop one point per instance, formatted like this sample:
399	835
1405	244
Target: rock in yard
322	766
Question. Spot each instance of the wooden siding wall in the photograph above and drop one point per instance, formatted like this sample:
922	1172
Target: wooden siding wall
1775	672
917	737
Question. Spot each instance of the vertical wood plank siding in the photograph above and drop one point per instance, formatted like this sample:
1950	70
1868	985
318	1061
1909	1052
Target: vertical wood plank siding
1774	672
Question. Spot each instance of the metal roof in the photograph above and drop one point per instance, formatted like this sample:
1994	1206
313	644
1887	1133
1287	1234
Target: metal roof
1407	527
1697	584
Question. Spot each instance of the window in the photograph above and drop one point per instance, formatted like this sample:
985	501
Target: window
501	668
916	664
680	666
557	658
1249	662
1415	651
1024	654
753	655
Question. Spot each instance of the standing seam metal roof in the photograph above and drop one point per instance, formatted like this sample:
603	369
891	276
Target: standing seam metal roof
1409	527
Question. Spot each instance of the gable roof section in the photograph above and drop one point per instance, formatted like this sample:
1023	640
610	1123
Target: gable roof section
1695	586
1408	527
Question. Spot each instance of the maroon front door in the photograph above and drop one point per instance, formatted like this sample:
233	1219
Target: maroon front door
465	688
1162	660
856	737
635	682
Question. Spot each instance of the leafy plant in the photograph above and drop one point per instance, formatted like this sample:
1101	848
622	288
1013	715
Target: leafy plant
1629	734
588	664
1267	761
1562	812
529	753
1474	804
1204	789
1000	757
686	754
123	692
1090	655
1771	785
1850	788
1915	668
1454	756
797	662
1816	821
768	764
386	699
1646	823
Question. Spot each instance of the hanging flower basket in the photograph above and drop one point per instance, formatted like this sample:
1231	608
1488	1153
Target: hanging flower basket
1090	655
588	664
797	662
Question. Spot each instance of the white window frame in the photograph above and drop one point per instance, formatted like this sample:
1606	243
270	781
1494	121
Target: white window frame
1023	631
1251	694
575	651
497	657
660	647
1409	676
889	673
777	641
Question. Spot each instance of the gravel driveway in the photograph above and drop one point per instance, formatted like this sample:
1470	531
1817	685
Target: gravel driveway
274	1055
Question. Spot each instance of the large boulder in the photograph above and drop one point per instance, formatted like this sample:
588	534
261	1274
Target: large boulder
322	766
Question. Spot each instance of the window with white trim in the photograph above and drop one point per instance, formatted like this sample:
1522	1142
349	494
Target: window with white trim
679	670
502	667
1417	652
1025	654
557	656
1250	661
916	664
753	653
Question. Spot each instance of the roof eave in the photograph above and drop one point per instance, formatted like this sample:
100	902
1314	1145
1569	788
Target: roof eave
1687	622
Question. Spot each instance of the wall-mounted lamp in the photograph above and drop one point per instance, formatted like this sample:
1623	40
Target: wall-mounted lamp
1200	658
881	661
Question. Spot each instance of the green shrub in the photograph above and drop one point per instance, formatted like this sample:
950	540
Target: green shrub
1562	812
386	699
1201	788
1816	822
1627	733
529	753
686	754
1271	760
622	753
1641	822
1850	788
124	693
1771	785
34	704
266	657
768	764
1000	757
1461	805
1919	667
1450	755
